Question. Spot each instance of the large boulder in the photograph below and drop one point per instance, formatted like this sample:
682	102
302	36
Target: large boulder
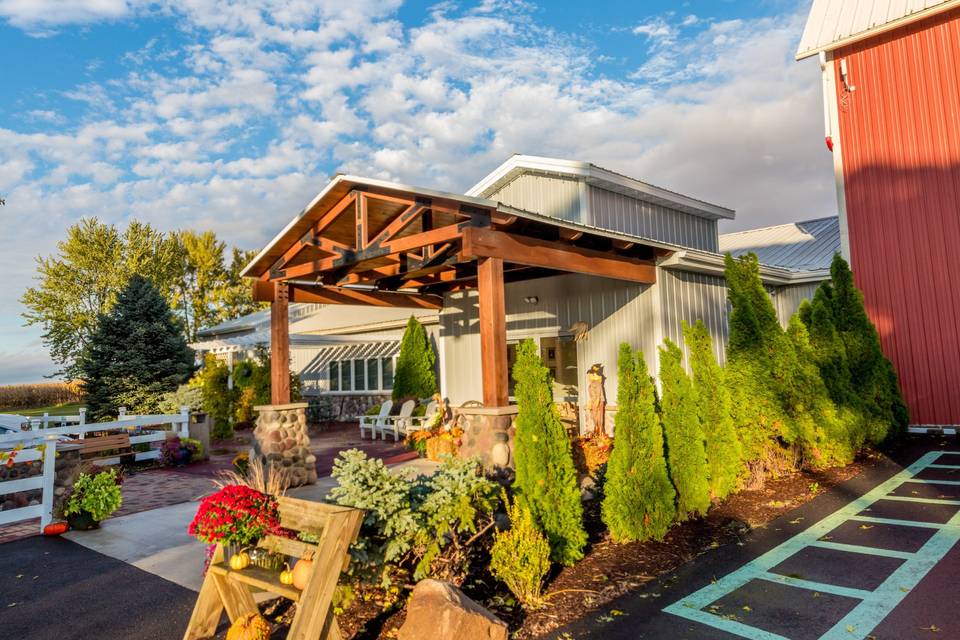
439	611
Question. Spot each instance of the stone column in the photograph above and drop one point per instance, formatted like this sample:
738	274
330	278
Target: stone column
488	434
281	438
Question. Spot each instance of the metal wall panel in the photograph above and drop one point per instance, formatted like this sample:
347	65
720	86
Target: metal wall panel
688	297
610	210
900	140
787	300
550	196
615	311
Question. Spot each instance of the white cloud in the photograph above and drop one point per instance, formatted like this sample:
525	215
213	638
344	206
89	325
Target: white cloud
270	97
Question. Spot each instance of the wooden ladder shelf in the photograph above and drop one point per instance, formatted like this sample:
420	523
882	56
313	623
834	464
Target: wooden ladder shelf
226	589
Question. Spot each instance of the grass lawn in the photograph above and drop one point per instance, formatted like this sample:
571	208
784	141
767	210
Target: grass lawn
70	409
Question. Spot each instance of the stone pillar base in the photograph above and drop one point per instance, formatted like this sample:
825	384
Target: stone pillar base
281	439
488	434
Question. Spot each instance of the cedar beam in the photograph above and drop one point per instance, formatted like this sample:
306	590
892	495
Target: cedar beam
340	295
493	332
481	243
280	345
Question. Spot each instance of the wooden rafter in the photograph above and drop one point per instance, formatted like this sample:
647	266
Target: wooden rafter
487	243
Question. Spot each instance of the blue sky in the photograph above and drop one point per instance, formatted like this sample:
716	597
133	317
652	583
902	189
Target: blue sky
230	115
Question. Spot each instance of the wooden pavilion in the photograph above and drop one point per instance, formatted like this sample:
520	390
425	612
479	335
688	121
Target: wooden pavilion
370	242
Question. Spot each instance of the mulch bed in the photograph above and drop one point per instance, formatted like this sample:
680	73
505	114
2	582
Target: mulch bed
609	570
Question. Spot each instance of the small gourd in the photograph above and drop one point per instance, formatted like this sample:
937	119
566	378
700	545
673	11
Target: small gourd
301	572
286	576
251	626
240	561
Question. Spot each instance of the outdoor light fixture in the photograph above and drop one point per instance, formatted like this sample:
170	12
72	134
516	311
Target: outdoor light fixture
531	299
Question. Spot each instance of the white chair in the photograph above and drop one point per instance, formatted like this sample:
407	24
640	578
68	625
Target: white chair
395	425
421	422
374	422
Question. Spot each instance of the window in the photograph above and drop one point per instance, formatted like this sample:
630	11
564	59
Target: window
369	374
334	376
386	367
359	376
559	355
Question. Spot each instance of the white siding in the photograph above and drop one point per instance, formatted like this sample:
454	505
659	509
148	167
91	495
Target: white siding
688	297
616	312
787	299
556	197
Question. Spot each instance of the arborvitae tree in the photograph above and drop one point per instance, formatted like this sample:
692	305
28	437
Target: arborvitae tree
871	372
681	424
778	398
724	463
136	354
546	479
638	498
415	376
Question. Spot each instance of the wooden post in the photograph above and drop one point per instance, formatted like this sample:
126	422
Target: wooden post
493	332
280	344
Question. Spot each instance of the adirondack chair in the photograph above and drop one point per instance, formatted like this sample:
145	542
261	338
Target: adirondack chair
395	425
372	423
233	590
420	422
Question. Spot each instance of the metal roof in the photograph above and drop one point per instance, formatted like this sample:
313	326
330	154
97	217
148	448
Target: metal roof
835	23
797	246
256	320
604	178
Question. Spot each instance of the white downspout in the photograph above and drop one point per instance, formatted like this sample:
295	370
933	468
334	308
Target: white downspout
831	123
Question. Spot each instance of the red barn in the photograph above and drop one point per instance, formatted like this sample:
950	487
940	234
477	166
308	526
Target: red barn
891	77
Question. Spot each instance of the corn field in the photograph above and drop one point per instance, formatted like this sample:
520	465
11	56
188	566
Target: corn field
29	396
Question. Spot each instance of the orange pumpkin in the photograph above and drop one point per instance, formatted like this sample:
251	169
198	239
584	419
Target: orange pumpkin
55	528
301	572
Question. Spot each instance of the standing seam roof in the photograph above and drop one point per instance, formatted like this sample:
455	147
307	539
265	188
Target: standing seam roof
798	246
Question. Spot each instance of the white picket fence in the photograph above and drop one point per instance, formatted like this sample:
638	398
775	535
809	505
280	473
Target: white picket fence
40	443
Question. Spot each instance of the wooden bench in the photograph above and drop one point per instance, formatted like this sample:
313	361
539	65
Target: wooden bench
106	447
226	589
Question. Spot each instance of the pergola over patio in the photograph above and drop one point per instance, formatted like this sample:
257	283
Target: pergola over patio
369	242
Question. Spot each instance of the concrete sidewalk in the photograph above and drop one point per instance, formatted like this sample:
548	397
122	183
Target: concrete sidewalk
156	541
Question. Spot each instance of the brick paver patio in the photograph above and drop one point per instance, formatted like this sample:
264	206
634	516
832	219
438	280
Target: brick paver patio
155	488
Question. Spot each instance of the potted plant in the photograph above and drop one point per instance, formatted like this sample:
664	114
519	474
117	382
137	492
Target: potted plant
93	498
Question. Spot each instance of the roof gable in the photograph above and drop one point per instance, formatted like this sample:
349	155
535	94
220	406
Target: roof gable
836	23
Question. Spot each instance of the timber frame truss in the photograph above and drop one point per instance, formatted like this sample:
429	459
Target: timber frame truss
407	250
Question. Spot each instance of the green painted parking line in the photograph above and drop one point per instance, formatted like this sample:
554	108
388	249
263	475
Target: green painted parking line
810	585
731	626
856	548
921	481
874	605
918	499
943	466
897	521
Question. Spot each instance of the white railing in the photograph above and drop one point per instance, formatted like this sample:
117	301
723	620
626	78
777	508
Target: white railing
46	420
41	443
42	448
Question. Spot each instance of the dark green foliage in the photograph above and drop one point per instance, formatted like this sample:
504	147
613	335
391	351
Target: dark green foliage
851	362
681	424
415	376
546	480
778	397
638	498
136	351
724	463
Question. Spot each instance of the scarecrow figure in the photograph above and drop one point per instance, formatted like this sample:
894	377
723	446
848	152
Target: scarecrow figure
597	400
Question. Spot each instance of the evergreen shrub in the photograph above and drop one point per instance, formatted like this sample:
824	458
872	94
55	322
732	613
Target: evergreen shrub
638	498
415	376
724	457
546	480
520	557
686	456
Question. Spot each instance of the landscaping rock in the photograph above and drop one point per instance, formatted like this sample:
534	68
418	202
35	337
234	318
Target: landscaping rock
440	611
